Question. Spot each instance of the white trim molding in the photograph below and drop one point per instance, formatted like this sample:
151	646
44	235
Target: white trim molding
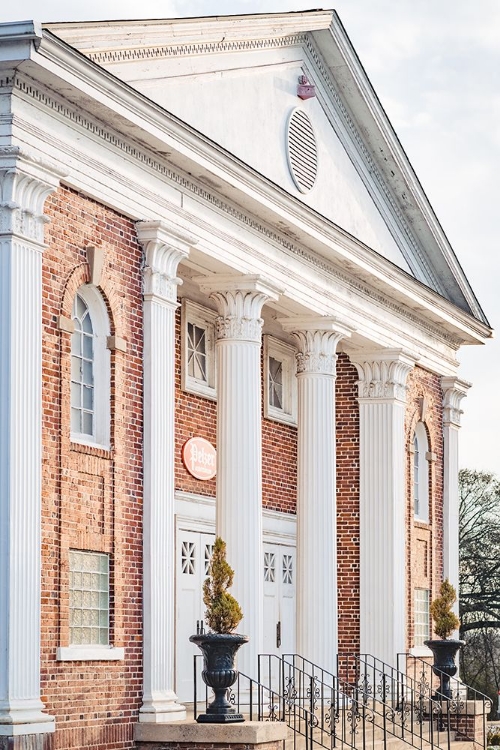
90	653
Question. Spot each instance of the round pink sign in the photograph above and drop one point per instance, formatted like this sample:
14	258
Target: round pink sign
199	457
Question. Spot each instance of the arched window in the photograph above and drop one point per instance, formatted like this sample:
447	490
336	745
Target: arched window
90	369
421	473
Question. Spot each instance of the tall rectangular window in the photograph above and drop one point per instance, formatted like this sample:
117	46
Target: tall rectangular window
88	598
280	382
421	617
198	349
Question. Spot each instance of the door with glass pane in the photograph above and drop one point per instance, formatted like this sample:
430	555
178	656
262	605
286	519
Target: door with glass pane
193	552
279	599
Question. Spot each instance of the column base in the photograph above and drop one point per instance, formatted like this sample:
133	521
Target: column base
162	712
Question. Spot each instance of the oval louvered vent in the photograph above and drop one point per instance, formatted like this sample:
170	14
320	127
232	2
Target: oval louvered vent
301	150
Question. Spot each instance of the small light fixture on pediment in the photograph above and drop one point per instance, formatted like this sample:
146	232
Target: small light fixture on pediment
305	90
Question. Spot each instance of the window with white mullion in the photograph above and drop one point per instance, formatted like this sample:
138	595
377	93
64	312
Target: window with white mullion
421	618
280	382
275	383
197	352
416	458
82	370
198	349
421	473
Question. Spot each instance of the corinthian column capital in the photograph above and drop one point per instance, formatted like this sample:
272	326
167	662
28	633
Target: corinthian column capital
382	375
164	248
25	184
317	340
239	301
454	390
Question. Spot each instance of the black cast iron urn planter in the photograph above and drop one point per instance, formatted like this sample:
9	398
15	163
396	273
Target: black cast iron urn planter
219	673
444	667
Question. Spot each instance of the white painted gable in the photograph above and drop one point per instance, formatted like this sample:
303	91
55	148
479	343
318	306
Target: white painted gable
234	79
245	109
240	95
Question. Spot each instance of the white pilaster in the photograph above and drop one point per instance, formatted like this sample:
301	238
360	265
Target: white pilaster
239	444
24	186
382	404
454	390
316	586
164	249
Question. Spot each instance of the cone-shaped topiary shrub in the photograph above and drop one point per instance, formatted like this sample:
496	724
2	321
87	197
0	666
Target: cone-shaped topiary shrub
223	612
445	620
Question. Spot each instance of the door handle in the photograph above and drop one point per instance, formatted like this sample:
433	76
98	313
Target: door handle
278	634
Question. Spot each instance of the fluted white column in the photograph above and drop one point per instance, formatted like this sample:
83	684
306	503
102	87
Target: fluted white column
316	585
383	497
454	390
24	186
239	444
163	250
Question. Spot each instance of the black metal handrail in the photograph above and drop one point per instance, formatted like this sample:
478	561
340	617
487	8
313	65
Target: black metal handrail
367	703
422	671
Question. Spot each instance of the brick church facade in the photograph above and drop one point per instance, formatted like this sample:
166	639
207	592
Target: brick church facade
192	249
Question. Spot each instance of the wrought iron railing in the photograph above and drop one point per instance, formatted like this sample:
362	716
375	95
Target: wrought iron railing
366	705
468	708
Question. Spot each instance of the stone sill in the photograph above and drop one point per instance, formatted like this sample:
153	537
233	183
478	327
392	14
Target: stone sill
246	733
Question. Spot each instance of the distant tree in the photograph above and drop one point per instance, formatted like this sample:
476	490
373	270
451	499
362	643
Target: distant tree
479	550
480	580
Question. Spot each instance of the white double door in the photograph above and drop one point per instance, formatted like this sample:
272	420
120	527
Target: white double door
193	551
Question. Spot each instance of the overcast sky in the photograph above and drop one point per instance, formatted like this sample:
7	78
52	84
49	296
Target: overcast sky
434	65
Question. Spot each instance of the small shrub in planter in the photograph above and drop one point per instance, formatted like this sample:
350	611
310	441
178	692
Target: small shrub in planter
223	615
445	648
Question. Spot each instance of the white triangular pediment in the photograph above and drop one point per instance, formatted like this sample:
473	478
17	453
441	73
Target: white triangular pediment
235	80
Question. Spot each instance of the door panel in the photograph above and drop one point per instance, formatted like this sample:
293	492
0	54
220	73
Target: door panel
193	550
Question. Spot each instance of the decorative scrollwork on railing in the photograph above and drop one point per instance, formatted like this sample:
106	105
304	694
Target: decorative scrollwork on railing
456	703
423	685
353	717
366	688
313	693
273	712
383	688
332	717
403	710
290	692
231	696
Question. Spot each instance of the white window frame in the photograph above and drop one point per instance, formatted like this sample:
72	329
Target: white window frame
101	370
192	312
420	487
285	354
416	611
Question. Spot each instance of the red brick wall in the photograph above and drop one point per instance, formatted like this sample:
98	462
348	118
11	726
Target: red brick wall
92	498
424	543
347	435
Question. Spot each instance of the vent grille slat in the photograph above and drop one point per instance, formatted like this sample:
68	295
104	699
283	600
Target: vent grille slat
302	151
